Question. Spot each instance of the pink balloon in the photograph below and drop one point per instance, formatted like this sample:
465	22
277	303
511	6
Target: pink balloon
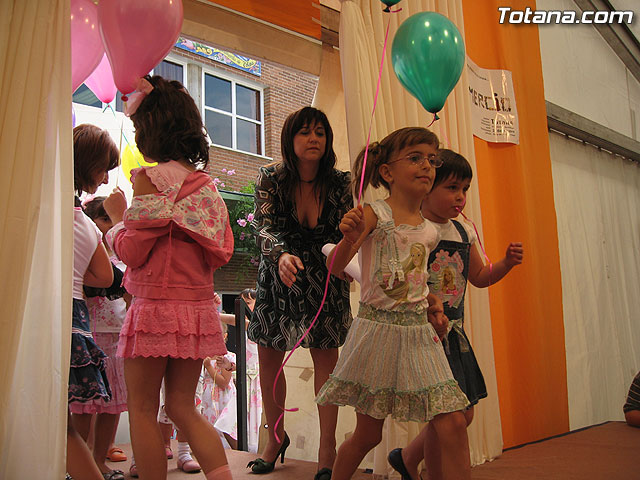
86	44
101	81
137	35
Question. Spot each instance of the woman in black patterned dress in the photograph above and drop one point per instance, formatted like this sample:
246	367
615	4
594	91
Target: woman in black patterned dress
299	205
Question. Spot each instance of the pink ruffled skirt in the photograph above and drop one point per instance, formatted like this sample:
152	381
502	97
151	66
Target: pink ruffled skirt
171	328
114	368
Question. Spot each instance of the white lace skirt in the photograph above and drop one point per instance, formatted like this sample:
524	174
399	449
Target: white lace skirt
393	363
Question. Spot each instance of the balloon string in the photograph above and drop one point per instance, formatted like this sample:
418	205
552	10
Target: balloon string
306	332
479	241
375	102
120	148
326	287
446	139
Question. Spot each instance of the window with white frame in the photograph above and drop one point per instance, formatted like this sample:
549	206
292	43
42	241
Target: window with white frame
233	113
169	69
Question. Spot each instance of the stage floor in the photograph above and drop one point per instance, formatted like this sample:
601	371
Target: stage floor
610	451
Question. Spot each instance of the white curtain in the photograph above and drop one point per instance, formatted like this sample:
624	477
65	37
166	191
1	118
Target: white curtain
36	191
598	213
362	30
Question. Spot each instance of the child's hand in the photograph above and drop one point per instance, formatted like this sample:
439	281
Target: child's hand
115	205
207	362
352	224
216	299
440	323
288	266
224	362
436	316
514	254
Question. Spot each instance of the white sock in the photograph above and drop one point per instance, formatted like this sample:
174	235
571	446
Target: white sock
183	452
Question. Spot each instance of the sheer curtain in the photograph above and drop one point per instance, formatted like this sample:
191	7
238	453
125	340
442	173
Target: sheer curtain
362	30
36	236
598	212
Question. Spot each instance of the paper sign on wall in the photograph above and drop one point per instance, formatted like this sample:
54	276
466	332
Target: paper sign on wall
494	116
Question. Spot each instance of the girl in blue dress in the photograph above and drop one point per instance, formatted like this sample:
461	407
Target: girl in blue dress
451	263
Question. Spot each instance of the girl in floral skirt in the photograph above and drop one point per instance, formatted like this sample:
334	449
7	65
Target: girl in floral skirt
393	362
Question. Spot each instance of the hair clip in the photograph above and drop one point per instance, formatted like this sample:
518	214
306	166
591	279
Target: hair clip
143	88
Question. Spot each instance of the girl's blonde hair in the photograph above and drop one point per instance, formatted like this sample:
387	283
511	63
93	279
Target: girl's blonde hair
381	152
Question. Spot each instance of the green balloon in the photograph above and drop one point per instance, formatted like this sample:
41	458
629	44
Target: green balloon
428	57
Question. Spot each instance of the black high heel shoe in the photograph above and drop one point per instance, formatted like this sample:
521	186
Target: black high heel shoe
260	466
395	460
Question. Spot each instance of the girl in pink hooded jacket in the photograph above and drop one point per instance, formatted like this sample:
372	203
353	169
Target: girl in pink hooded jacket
172	238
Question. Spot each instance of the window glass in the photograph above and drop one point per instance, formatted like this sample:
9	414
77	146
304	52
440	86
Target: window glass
248	136
169	71
247	102
85	96
219	128
217	93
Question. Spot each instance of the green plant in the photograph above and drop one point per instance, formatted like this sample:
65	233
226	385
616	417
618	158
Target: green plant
240	216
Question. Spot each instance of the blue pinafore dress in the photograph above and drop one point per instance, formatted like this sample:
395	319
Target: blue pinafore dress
448	273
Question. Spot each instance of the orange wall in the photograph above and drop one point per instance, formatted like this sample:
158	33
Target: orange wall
516	196
294	15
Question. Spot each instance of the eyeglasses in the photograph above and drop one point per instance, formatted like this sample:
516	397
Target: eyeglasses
418	159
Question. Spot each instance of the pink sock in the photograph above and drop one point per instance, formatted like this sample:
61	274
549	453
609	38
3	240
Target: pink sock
220	473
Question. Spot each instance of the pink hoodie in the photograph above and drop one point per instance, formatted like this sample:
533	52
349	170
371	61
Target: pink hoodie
173	241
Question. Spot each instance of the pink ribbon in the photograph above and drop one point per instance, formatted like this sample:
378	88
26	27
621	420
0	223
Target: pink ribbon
131	104
326	286
306	332
375	102
479	241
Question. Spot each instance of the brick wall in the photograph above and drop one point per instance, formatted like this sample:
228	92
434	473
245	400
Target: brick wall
286	90
236	275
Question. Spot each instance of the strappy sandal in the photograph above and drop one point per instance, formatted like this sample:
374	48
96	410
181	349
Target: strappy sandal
113	475
261	466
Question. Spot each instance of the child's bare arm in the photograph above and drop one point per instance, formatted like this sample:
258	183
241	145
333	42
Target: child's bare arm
356	224
99	273
481	275
223	373
436	316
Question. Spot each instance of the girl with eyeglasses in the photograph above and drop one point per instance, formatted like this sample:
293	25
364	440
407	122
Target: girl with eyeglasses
393	362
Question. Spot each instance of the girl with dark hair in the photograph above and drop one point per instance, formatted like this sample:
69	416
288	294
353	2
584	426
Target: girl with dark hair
107	310
94	154
172	238
299	204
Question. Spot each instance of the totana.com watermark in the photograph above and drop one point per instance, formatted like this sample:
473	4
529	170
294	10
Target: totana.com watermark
509	15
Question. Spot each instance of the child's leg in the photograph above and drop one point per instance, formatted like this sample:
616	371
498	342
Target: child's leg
82	424
104	430
143	377
367	435
427	440
324	362
270	361
451	431
413	453
180	380
80	463
232	443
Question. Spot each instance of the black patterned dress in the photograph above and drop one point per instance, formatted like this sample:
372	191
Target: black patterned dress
282	314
